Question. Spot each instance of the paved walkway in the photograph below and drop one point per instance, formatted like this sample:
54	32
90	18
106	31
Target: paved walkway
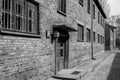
90	66
109	69
105	67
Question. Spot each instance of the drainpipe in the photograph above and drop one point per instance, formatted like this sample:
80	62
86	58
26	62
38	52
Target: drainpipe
114	39
56	55
92	30
56	36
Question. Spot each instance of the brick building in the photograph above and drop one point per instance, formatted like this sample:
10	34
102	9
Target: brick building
38	38
115	21
109	37
111	29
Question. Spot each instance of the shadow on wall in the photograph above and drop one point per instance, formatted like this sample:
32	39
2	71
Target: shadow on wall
115	69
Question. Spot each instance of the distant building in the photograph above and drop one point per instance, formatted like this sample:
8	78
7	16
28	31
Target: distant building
38	38
110	35
117	30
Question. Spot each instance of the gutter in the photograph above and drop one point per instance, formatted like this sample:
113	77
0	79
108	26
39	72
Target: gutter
100	8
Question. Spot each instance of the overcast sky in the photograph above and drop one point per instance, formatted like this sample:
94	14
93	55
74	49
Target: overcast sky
115	7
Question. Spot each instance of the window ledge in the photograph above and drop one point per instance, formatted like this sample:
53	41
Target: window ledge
22	34
80	40
60	12
88	41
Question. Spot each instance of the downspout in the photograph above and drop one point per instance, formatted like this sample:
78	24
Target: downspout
92	30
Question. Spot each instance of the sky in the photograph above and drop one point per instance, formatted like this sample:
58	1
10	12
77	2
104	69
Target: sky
115	7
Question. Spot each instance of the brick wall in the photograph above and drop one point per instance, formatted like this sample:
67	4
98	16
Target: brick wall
24	58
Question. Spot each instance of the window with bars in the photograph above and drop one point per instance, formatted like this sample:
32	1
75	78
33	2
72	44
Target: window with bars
98	17
103	39
88	35
101	20
88	5
81	2
80	33
94	38
20	16
62	7
93	11
98	38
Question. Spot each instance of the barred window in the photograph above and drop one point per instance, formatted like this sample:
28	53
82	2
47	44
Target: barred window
81	2
80	33
98	17
88	9
94	38
62	6
103	39
98	38
101	21
88	35
93	11
20	16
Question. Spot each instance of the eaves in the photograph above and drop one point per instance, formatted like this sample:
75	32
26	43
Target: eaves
100	8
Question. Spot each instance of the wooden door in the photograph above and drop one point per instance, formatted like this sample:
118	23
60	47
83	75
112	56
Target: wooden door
62	51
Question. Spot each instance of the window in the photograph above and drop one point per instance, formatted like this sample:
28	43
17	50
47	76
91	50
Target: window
88	35
88	9
98	38
98	17
20	16
80	33
62	6
93	11
81	2
101	21
103	39
94	36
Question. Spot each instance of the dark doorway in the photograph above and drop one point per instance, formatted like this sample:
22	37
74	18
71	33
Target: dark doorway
61	50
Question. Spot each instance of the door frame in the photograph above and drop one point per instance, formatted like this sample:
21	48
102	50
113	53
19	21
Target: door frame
66	55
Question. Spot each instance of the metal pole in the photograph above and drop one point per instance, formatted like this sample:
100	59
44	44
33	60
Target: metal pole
92	30
56	50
